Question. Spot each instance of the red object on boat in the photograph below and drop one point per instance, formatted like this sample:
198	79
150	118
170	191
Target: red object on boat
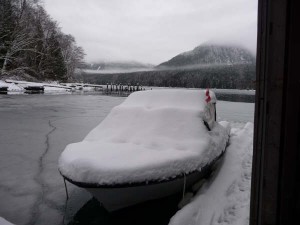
208	98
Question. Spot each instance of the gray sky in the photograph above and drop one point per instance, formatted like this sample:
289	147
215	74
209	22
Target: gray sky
153	31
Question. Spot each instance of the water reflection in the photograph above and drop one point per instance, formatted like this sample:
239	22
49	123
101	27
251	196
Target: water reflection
156	212
235	97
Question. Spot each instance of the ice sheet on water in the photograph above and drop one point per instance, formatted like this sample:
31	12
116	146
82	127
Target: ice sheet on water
29	182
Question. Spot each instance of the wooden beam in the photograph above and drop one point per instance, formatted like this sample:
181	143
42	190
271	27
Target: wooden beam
275	174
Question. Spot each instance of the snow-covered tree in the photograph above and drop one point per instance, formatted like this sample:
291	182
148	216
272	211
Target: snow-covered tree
32	43
72	54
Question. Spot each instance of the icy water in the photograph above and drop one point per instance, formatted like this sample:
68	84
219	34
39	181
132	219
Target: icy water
34	129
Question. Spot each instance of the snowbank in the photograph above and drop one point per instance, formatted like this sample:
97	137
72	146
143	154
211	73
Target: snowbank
18	86
225	199
3	84
10	87
152	135
4	222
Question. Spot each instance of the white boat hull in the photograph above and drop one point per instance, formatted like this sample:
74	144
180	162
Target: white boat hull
121	196
115	198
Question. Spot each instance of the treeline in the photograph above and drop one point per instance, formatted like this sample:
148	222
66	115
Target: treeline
32	45
229	77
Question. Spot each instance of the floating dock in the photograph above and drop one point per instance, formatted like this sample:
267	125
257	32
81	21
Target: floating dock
34	89
3	90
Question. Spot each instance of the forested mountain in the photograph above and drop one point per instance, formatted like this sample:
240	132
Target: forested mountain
212	66
32	46
208	54
238	76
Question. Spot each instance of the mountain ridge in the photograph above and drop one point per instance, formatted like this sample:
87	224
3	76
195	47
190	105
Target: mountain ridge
209	54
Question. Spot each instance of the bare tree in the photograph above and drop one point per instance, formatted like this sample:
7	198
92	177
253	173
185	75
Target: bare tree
30	41
20	36
72	54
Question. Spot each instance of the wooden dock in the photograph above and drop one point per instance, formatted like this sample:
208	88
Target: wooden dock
34	89
3	90
121	90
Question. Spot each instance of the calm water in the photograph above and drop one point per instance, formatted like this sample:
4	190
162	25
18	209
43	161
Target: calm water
34	130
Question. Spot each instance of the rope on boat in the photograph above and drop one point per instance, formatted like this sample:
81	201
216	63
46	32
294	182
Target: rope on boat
66	204
66	189
184	185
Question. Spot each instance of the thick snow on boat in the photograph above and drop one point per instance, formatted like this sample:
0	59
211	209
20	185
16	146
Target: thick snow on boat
153	144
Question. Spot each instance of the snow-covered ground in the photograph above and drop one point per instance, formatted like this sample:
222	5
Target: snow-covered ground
4	222
18	87
36	128
225	197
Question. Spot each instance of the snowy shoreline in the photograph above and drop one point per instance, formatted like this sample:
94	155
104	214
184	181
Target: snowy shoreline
4	221
225	197
17	87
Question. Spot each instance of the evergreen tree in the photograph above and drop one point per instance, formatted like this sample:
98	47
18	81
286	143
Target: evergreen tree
31	43
7	25
54	66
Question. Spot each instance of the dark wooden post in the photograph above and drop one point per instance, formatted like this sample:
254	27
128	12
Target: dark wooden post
275	198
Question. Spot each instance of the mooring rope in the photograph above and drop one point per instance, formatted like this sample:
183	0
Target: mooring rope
66	189
66	204
184	185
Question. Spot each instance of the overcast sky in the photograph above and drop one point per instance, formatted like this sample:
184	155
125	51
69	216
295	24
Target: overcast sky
153	31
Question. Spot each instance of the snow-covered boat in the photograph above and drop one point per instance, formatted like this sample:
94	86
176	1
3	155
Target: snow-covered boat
156	143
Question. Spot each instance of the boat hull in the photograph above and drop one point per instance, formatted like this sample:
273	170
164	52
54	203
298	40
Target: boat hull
115	198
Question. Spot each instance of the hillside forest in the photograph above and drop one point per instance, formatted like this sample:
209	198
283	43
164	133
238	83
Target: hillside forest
238	76
32	45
